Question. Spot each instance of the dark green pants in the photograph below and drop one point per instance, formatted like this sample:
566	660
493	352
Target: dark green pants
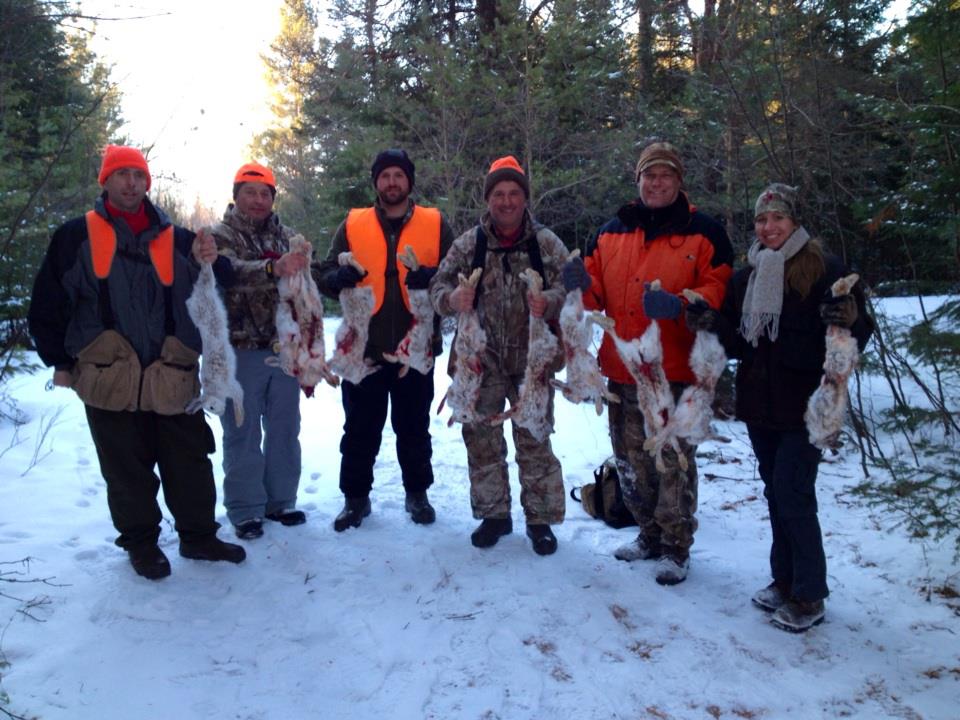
130	445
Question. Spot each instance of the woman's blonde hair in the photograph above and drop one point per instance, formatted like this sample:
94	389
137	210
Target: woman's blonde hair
802	271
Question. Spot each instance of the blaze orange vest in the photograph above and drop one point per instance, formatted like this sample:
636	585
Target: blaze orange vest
103	247
369	247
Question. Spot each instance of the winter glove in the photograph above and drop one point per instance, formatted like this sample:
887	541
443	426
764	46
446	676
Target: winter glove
700	316
419	279
840	311
346	277
660	305
575	275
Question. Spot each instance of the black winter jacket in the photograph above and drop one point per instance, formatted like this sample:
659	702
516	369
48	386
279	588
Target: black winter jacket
65	314
776	379
391	322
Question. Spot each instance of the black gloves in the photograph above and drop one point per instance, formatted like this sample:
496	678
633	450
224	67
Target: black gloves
346	276
574	275
840	311
419	279
700	316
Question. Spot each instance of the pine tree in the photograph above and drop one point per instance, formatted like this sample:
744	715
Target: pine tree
57	110
290	148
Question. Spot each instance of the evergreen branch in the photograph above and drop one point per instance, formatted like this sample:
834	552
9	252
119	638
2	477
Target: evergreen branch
64	144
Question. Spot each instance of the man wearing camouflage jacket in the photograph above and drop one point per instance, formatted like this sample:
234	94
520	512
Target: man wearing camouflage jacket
259	481
514	243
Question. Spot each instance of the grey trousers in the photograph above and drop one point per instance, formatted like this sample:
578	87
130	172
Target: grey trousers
261	458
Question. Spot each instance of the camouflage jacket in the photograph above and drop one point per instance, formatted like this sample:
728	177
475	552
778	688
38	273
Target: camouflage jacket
252	299
502	295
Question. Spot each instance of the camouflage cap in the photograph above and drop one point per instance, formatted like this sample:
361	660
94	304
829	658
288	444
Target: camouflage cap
777	197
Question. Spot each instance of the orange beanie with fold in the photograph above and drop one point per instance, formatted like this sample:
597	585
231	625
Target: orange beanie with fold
121	156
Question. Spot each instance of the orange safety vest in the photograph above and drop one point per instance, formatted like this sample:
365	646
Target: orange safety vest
369	247
103	247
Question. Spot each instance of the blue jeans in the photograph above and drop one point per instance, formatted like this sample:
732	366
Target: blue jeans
261	458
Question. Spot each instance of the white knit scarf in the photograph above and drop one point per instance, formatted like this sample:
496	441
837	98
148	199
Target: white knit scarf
763	300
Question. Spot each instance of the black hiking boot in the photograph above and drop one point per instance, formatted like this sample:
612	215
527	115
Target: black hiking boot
353	513
288	518
213	549
544	541
419	507
249	529
491	530
149	561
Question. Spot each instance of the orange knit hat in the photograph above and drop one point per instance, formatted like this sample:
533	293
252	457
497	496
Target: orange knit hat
252	172
505	168
120	156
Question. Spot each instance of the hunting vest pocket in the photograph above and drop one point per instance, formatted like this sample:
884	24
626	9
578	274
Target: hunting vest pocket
172	381
107	373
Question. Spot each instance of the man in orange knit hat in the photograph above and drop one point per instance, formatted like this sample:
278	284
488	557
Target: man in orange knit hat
375	235
506	242
108	313
261	457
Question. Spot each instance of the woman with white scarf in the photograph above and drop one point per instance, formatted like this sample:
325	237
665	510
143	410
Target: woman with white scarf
774	320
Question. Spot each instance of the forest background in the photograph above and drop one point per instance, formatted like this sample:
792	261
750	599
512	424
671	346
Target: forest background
860	112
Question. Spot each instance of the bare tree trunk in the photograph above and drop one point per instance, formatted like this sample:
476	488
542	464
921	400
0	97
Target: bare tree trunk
645	11
486	15
369	22
451	20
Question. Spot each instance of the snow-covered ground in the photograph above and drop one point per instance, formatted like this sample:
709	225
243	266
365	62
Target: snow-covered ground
403	621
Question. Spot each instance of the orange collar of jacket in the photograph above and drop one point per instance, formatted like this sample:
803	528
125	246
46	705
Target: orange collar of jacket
103	248
369	247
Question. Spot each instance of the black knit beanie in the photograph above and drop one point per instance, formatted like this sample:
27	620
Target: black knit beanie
393	158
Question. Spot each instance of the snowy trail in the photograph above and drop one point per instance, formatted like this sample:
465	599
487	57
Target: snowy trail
399	620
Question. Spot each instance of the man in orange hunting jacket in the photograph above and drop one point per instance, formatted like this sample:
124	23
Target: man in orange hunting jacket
659	236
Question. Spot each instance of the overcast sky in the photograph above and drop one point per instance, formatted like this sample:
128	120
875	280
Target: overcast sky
193	83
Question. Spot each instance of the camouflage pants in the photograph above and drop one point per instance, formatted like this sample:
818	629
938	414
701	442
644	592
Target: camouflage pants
662	503
541	479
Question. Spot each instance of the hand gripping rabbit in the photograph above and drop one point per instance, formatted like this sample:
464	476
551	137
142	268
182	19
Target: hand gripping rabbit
584	382
351	338
218	369
468	347
827	406
690	420
643	358
415	350
299	321
533	402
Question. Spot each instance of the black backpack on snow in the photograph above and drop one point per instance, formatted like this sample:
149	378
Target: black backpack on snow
603	498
